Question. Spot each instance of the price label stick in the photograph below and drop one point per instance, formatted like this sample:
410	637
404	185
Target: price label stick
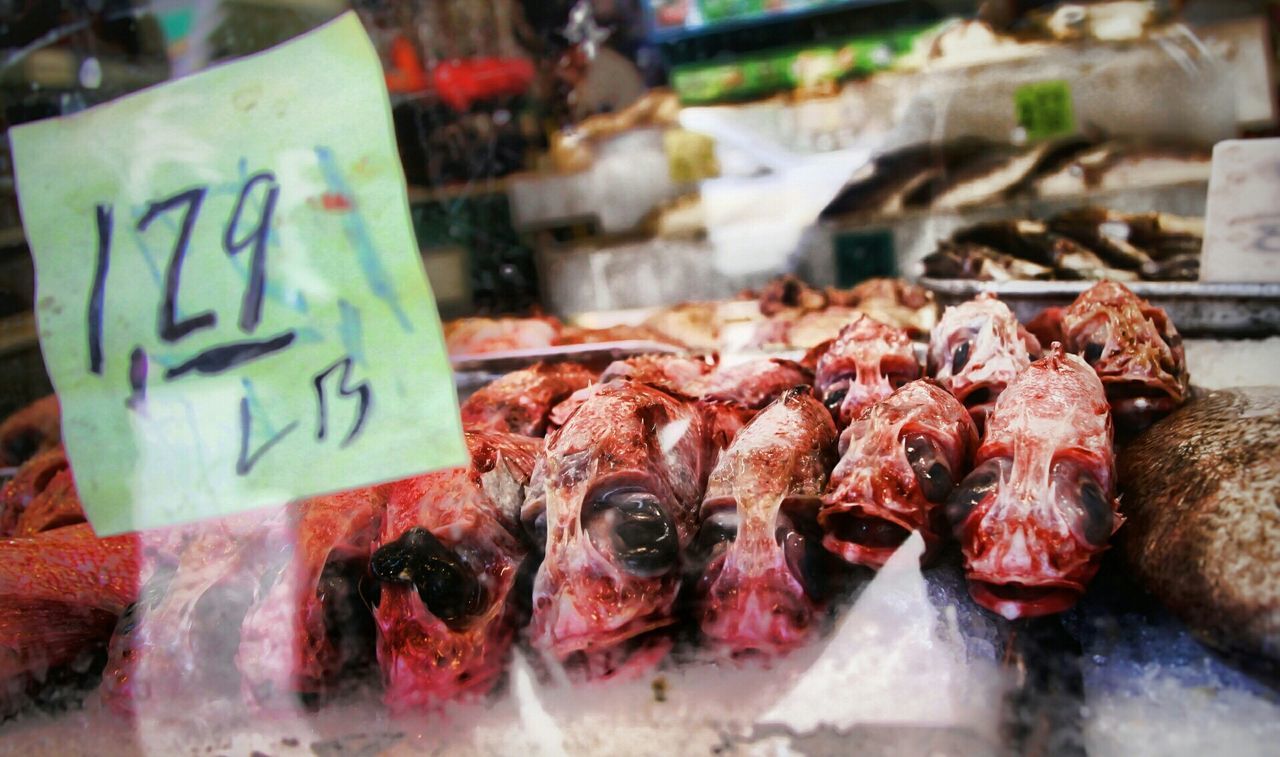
230	298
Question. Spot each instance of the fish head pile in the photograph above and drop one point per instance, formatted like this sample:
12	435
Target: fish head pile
762	584
446	562
865	363
1036	512
1133	347
521	401
731	395
617	492
681	375
976	350
901	459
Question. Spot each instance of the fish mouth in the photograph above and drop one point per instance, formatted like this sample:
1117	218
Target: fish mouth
759	619
1013	600
860	537
624	660
1136	404
980	400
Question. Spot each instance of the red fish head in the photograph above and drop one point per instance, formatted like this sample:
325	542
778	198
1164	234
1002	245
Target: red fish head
1037	511
617	491
863	365
446	565
1134	349
976	350
762	585
901	459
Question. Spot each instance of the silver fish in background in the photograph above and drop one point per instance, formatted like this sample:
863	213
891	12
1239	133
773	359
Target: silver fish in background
1035	515
1201	494
977	349
763	582
901	459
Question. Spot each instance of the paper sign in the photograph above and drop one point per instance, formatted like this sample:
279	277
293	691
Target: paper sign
1044	109
230	299
690	156
1242	214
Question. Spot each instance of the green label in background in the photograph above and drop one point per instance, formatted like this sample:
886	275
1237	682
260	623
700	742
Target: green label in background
861	255
230	299
1044	109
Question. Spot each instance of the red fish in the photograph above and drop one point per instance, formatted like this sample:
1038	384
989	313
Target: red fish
178	642
521	401
1135	350
31	430
763	583
472	336
56	505
31	479
976	350
309	623
447	559
901	459
863	365
60	594
1036	512
680	375
617	493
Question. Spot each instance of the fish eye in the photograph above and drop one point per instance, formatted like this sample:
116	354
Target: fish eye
930	467
833	400
975	488
803	551
1092	352
960	358
632	525
535	528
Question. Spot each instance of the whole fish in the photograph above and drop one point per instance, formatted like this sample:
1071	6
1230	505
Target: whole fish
60	594
977	349
864	364
730	396
309	624
1037	511
617	492
56	505
763	581
680	375
901	459
31	430
1133	347
1201	489
521	401
447	559
31	478
178	643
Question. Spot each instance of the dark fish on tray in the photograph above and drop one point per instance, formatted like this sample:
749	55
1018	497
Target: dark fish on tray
1035	515
31	430
901	458
865	363
616	495
881	186
1133	347
1105	232
60	594
1119	165
521	401
763	581
1201	489
1032	240
970	260
309	624
447	559
977	349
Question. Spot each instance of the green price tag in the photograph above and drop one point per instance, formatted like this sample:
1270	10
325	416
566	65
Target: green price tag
230	299
1044	109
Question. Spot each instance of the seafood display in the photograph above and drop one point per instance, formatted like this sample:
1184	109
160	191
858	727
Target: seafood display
976	349
901	458
446	560
1085	243
1134	349
865	363
521	401
1037	511
763	579
616	495
1200	491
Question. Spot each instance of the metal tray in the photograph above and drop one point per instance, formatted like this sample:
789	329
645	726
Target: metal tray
1197	308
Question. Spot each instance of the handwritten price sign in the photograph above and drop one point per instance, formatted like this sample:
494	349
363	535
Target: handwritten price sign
230	299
